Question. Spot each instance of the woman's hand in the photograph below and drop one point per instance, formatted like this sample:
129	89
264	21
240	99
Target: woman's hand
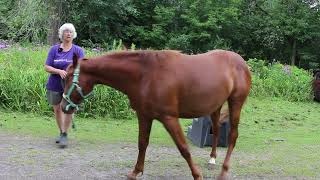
52	70
62	73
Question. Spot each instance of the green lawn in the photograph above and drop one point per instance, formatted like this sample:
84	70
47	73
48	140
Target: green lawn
276	137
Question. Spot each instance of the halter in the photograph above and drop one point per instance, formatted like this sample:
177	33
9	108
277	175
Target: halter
75	84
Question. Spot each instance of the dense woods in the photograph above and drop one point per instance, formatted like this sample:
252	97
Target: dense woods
286	31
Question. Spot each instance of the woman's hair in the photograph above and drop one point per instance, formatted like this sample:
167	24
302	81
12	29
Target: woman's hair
67	26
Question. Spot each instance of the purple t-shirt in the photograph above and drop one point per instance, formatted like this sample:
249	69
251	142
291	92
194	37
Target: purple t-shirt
60	60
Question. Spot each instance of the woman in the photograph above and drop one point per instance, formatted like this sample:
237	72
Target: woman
59	57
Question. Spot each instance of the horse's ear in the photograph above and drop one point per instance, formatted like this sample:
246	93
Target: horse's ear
75	60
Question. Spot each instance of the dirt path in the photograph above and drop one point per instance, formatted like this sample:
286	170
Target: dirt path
26	157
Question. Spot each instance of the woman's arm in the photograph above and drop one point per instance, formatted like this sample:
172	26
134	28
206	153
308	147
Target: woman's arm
52	70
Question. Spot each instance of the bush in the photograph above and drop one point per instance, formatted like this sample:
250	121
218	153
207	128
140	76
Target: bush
277	80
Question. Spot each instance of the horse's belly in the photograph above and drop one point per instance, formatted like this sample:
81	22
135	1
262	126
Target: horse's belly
196	106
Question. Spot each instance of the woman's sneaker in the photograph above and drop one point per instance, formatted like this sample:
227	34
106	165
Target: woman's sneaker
58	138
63	141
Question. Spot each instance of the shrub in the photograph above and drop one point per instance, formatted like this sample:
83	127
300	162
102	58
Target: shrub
277	80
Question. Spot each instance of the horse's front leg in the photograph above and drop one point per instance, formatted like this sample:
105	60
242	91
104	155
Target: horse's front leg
144	133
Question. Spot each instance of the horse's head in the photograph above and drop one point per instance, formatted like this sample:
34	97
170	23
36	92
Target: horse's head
78	87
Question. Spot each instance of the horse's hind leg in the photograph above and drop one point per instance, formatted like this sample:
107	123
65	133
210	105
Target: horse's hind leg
235	105
144	133
173	127
215	130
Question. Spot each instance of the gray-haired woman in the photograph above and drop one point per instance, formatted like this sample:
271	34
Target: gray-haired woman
59	57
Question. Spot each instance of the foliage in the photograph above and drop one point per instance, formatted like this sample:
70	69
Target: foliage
24	21
277	80
5	7
283	30
23	79
100	21
275	27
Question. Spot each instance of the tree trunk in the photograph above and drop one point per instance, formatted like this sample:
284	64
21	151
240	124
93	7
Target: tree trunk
294	52
55	18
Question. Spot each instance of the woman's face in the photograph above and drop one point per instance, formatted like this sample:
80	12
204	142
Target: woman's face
67	35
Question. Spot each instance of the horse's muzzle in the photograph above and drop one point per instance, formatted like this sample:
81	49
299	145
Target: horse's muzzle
65	108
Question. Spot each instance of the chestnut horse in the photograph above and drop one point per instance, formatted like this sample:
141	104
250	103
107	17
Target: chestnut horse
167	85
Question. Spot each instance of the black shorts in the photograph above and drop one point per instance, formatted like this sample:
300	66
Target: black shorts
54	97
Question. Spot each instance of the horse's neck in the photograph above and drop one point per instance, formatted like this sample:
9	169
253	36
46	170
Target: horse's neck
121	74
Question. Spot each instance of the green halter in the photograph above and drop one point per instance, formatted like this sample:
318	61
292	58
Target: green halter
75	84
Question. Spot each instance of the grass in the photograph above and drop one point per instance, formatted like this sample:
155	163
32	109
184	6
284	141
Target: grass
94	130
282	137
22	86
276	137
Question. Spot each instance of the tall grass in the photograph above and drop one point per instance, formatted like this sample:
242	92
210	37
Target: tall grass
23	79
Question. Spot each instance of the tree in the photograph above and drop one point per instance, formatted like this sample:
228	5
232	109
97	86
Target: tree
100	22
57	14
5	7
278	29
26	21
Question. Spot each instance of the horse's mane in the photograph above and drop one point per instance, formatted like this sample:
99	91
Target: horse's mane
143	54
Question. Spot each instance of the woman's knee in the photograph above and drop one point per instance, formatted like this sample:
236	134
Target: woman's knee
57	108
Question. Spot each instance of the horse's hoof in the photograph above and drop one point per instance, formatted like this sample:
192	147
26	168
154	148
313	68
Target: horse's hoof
131	176
212	161
198	177
222	177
